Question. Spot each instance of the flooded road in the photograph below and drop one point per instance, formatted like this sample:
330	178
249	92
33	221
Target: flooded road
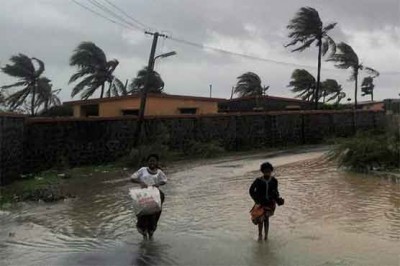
330	217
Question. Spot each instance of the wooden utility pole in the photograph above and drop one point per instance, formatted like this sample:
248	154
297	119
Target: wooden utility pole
143	92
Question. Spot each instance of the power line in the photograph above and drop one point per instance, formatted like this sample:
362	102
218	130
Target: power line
202	46
98	14
126	15
191	43
116	16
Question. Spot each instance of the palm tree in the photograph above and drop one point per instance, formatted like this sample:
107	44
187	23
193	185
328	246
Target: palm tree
303	83
30	79
305	29
47	97
346	58
330	87
95	70
2	100
155	85
367	87
249	84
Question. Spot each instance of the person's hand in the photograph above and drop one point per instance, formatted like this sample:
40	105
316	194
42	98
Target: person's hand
143	185
280	201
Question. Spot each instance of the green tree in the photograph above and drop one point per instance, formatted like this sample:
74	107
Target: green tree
47	97
367	87
346	58
303	84
330	87
29	78
2	101
155	85
307	28
249	84
94	71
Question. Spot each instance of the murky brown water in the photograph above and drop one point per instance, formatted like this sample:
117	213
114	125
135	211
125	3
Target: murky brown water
330	218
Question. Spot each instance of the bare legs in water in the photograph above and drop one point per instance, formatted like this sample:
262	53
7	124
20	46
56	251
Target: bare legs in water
264	224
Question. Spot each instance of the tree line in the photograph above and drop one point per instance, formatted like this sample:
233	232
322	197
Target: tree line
94	72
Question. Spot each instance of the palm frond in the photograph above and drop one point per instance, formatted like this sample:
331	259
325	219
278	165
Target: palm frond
88	54
372	72
21	67
90	91
86	82
18	98
304	46
17	84
329	27
41	68
155	83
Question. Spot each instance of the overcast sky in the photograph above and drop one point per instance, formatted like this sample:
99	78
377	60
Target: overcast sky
51	29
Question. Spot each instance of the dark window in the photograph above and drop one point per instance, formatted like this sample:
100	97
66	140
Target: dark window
191	111
90	110
130	112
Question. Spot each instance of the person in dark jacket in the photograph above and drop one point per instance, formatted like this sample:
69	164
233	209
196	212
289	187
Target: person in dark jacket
264	192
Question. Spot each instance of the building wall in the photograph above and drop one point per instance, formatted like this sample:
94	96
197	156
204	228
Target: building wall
77	110
379	106
29	145
11	147
154	106
265	103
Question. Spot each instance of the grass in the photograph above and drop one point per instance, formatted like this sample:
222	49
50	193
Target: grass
48	185
368	151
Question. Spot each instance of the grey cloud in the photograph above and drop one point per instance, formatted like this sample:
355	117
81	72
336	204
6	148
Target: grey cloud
51	29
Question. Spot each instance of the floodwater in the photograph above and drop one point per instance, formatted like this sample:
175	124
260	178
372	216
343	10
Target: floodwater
329	218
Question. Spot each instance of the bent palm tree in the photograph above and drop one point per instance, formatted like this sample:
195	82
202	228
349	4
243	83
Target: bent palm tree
249	84
30	79
94	70
303	83
155	84
347	58
367	87
2	100
305	29
47	97
330	87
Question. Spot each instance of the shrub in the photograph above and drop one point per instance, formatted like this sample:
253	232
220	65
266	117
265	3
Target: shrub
368	151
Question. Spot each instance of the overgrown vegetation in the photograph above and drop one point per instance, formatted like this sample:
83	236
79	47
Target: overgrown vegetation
368	151
48	186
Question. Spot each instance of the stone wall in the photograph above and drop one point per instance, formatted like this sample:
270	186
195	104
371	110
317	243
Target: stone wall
11	147
34	144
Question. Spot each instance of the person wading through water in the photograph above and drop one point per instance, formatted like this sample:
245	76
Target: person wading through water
264	192
149	176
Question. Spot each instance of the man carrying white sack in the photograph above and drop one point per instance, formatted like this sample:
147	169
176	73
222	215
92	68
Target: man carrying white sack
150	176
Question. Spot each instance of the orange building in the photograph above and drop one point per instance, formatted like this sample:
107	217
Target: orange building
156	105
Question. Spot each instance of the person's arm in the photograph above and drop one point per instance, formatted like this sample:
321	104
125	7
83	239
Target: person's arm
277	190
280	201
252	191
161	179
136	178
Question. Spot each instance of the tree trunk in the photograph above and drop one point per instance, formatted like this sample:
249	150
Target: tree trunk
33	99
102	90
372	95
319	73
355	88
